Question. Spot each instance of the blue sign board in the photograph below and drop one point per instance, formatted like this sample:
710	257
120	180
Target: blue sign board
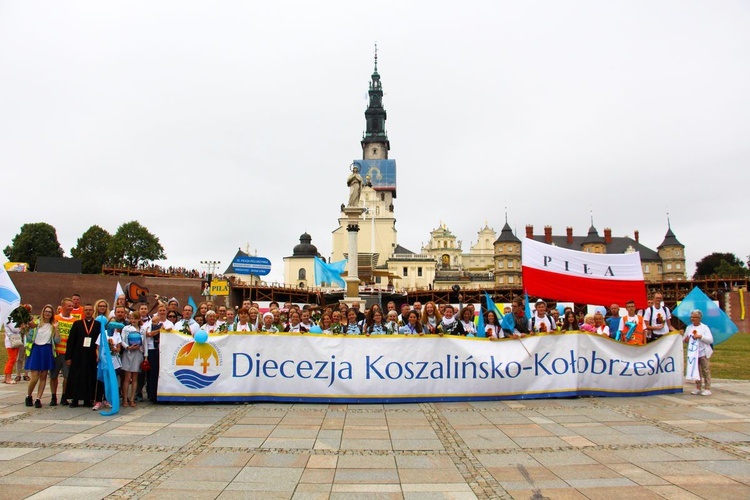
259	266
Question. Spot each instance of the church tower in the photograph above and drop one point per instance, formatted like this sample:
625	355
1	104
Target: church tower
377	234
672	254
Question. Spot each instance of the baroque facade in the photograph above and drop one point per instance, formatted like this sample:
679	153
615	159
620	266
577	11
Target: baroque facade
493	261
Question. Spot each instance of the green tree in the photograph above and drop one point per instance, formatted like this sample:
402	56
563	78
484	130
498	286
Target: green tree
36	239
721	264
133	244
92	249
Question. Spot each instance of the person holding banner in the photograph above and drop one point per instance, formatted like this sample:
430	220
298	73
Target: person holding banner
521	326
268	325
492	327
466	326
601	326
540	321
243	325
699	339
448	324
431	317
569	323
413	325
352	326
374	323
632	326
658	319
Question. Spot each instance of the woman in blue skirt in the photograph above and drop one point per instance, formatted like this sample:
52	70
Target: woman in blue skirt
39	358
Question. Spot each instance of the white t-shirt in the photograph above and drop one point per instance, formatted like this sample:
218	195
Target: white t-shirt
10	327
494	331
603	330
43	334
165	325
116	339
538	322
660	316
703	344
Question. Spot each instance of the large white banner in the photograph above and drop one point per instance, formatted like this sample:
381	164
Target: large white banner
326	368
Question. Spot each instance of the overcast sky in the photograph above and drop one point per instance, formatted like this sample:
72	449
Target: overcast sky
218	124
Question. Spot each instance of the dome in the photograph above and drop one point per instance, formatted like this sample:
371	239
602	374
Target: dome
305	247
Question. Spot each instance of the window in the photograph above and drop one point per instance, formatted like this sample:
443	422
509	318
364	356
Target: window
511	280
500	279
669	267
500	264
647	268
405	272
382	196
510	264
659	269
419	271
677	253
678	266
302	274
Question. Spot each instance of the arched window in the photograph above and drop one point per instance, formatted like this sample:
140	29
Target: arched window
302	274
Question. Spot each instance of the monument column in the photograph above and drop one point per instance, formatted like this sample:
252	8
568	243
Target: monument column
352	228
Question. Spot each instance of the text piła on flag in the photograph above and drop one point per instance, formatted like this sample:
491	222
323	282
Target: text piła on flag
589	278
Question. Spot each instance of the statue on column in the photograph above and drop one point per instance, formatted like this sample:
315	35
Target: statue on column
355	182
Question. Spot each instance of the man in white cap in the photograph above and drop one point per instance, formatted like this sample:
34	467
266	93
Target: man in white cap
540	321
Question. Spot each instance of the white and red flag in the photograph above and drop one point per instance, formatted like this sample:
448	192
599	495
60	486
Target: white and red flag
583	277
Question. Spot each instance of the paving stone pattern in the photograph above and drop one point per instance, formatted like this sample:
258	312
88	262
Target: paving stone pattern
674	447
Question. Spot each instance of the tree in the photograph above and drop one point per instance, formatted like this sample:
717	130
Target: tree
92	249
133	244
721	264
36	239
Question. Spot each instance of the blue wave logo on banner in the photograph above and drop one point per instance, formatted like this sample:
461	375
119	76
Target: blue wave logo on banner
193	380
198	354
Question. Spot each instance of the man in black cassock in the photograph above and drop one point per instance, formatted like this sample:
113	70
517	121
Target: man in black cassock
80	356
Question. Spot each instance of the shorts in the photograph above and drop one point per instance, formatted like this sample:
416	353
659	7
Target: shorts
59	365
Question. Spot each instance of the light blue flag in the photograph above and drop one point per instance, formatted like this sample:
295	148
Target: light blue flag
329	273
480	324
491	306
528	306
105	370
713	317
192	304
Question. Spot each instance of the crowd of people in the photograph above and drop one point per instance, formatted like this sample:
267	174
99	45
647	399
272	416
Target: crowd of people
65	340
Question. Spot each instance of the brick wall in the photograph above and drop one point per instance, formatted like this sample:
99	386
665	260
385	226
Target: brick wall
49	288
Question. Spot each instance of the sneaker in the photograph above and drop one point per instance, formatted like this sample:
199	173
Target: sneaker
64	402
695	392
37	404
53	401
106	404
29	401
706	393
98	406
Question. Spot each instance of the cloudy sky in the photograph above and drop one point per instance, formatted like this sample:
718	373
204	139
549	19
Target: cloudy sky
223	124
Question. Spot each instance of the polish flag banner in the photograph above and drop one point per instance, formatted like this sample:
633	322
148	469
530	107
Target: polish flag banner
582	277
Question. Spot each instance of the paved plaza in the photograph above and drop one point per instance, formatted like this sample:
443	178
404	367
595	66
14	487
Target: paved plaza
674	447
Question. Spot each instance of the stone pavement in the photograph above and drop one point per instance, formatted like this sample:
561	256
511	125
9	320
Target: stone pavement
673	447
